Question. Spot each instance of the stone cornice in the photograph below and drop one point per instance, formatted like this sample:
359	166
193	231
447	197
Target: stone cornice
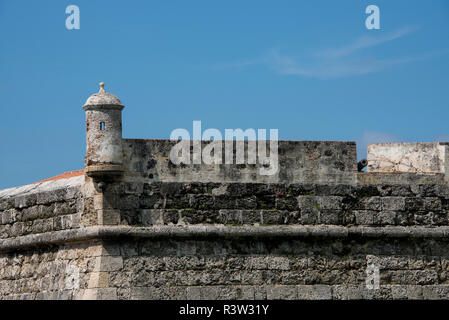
219	231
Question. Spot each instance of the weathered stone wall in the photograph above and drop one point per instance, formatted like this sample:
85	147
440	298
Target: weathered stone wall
299	162
276	268
138	226
161	231
148	204
39	212
429	157
56	272
198	240
139	263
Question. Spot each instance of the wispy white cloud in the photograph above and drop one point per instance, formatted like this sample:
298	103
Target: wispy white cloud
336	62
327	69
240	64
336	68
443	137
366	42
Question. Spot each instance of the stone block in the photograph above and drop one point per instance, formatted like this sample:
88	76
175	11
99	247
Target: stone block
271	217
25	201
100	294
281	292
407	157
108	263
393	203
435	292
98	280
347	292
109	217
314	292
8	216
364	217
151	217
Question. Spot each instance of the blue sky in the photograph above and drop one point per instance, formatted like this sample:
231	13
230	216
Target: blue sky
308	68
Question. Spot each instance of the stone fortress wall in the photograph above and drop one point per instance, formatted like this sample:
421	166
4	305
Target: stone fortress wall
136	226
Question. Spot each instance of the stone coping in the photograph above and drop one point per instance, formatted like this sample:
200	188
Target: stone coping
218	231
44	186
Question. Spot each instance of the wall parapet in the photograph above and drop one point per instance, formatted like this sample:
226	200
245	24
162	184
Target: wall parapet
41	208
430	157
176	203
327	162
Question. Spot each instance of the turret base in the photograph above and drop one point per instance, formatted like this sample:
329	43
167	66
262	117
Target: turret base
103	170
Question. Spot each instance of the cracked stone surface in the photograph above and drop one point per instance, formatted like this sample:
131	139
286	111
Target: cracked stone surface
407	157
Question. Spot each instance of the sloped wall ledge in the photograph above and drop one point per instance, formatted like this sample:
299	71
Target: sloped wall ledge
219	231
